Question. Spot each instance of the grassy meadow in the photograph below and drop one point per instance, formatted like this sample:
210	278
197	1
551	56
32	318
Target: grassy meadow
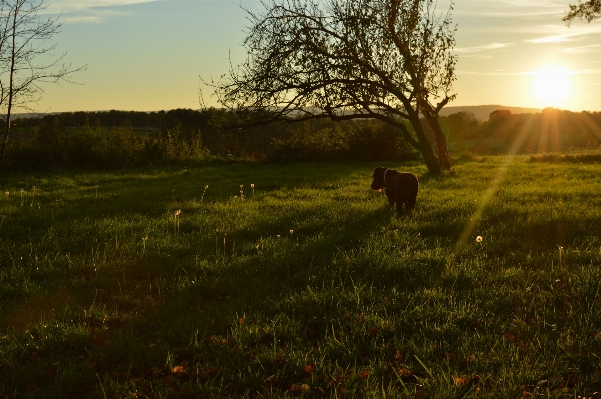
305	285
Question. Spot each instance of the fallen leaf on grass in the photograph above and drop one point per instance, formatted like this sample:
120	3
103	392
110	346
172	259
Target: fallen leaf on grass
305	388
179	370
405	373
364	374
308	368
461	381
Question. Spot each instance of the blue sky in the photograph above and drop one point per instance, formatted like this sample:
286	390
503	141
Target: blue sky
148	55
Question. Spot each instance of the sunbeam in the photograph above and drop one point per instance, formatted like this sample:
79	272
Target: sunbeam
468	231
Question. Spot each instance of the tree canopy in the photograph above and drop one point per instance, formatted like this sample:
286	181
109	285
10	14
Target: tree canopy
390	60
26	58
589	10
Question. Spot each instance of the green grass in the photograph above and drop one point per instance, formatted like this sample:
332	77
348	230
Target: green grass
321	291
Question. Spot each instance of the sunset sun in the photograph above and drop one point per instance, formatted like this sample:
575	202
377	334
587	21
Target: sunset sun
551	86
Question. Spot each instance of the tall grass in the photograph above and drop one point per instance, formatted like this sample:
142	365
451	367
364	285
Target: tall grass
309	286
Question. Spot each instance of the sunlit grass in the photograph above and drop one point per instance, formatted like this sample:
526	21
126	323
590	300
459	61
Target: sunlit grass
148	283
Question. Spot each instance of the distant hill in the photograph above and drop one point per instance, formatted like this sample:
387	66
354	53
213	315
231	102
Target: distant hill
482	112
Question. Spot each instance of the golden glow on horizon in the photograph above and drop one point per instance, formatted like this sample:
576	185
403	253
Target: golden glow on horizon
552	87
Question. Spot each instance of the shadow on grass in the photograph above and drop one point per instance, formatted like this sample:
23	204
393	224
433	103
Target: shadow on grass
119	324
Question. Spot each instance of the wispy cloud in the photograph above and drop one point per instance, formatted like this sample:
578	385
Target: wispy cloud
65	6
493	73
569	35
485	47
551	39
583	49
93	16
589	71
511	9
478	56
89	19
90	11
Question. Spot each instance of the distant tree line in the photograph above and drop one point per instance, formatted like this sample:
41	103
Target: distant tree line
552	130
117	139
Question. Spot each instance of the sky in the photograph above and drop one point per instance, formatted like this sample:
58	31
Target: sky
147	55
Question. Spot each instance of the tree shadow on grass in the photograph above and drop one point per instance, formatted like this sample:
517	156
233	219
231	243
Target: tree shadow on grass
115	324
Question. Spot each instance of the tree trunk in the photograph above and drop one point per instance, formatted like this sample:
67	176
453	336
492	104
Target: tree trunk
430	159
11	87
425	148
442	151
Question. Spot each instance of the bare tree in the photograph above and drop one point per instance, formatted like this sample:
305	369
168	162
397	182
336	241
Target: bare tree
390	60
26	59
588	10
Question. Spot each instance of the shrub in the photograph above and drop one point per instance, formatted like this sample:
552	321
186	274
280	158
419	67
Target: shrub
99	147
351	141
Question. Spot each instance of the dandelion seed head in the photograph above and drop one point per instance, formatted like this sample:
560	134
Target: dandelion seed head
278	236
291	231
252	185
207	186
479	239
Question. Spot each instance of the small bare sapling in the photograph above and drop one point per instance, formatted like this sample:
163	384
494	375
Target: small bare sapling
176	219
203	193
33	197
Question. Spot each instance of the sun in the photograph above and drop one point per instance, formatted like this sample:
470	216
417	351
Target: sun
551	86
